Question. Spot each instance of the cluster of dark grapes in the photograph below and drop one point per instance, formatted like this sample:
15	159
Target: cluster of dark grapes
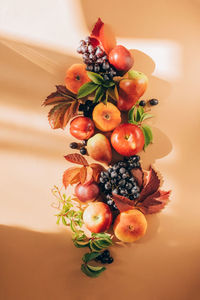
104	257
96	59
119	180
87	108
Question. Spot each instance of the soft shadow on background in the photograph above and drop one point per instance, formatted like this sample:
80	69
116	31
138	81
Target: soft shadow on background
38	260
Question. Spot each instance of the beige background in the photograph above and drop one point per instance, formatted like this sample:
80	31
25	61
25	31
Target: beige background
37	258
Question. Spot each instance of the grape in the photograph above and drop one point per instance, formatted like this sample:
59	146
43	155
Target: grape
96	59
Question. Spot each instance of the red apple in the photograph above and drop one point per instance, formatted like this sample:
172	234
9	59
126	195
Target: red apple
131	89
97	217
121	58
87	192
82	128
127	139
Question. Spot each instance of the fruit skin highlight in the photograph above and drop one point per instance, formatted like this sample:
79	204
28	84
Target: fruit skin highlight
130	226
99	148
127	139
131	89
75	77
106	117
87	192
121	58
82	128
97	217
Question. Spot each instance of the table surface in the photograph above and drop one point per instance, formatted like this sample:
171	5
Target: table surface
37	257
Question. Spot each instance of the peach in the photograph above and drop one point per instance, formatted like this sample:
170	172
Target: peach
106	117
130	226
76	76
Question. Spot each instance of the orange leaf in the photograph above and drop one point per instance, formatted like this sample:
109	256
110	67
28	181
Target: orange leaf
89	176
76	159
83	174
71	176
97	169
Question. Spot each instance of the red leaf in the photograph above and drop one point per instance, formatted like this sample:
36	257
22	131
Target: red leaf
76	159
151	186
97	27
83	174
71	176
155	202
139	175
71	112
122	203
55	114
97	169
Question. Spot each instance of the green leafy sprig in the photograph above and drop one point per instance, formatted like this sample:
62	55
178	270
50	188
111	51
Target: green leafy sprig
71	215
102	88
136	116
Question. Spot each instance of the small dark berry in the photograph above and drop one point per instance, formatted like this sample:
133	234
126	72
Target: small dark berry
96	68
73	145
81	107
153	101
89	68
122	182
83	151
110	260
122	170
115	191
107	186
110	202
106	253
142	103
106	77
113	174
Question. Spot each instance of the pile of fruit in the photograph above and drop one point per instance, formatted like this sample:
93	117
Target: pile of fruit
110	197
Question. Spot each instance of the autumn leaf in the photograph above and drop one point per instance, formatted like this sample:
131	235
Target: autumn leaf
97	27
65	107
122	203
89	175
138	175
71	176
97	169
151	186
154	202
76	159
83	174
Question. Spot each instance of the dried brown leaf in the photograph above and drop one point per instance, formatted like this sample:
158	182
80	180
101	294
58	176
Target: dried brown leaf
122	203
151	186
138	174
97	169
71	176
76	159
155	202
83	174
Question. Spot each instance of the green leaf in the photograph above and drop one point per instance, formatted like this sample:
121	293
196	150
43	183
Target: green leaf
148	136
58	220
99	94
108	84
72	226
139	113
94	247
86	89
106	98
101	235
96	78
131	115
90	271
81	244
146	116
90	256
113	93
64	221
